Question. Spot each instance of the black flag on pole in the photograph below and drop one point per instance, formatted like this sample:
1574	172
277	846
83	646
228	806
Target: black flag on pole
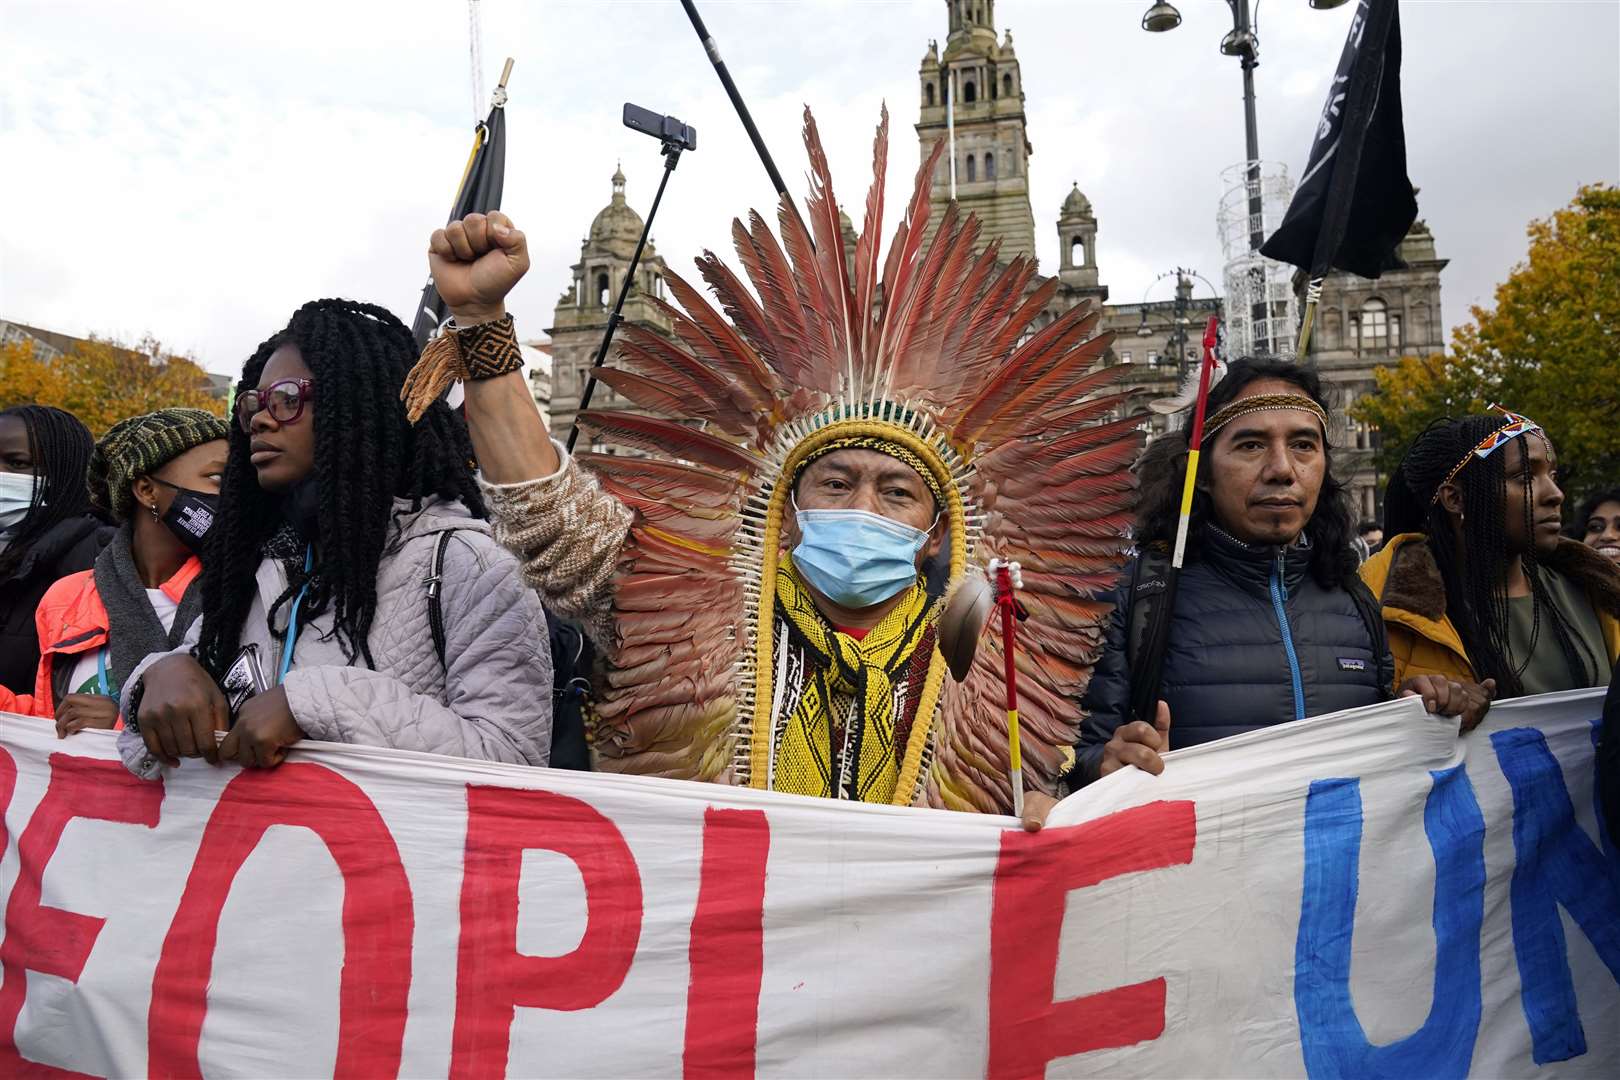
1355	203
480	193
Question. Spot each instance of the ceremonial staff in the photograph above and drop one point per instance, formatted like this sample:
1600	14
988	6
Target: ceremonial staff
1144	697
713	51
1008	577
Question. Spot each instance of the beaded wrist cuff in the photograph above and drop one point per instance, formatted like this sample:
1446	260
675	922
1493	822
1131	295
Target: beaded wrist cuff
489	349
484	351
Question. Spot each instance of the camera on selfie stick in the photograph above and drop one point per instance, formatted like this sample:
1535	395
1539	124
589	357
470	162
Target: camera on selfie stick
675	137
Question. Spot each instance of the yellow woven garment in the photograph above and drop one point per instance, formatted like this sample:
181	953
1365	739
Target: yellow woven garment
843	672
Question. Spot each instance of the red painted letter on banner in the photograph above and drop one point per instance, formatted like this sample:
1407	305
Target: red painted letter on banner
47	939
727	950
492	977
1034	876
377	917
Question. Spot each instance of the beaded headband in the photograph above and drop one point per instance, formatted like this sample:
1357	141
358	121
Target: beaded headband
882	446
1263	403
1516	426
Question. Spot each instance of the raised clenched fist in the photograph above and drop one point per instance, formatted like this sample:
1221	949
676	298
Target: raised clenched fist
475	262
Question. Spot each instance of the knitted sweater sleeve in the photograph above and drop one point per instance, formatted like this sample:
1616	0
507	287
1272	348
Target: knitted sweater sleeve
567	533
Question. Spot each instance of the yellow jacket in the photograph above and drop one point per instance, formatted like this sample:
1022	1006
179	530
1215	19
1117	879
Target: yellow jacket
1404	577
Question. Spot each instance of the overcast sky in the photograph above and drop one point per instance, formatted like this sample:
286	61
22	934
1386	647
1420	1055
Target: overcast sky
197	170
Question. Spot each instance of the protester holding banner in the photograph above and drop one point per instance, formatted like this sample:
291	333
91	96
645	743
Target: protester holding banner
46	528
353	591
1478	583
762	588
158	476
1270	622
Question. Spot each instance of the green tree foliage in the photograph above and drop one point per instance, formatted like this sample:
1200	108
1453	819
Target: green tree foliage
1550	349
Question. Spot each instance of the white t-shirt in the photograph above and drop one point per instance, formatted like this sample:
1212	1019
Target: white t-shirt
86	672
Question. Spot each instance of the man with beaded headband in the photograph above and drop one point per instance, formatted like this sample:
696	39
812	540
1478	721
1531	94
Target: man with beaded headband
845	434
1270	622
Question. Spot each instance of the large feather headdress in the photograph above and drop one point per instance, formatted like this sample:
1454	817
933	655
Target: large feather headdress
930	348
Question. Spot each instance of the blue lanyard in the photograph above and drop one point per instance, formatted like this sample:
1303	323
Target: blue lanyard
292	619
101	671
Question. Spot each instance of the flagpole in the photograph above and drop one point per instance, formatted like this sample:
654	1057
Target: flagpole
1313	294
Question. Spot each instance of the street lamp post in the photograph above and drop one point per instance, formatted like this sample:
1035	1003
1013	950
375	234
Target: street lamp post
1243	42
1179	313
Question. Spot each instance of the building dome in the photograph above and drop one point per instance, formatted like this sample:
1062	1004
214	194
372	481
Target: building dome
616	220
1076	205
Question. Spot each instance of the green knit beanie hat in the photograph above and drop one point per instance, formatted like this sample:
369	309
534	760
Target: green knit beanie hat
140	445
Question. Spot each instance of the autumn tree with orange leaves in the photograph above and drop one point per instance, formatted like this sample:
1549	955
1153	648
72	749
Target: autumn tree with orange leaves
102	382
1550	349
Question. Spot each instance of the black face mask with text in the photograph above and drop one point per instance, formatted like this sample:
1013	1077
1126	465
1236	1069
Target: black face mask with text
190	515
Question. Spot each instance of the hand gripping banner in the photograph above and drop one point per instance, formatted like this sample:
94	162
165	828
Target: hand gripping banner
1362	894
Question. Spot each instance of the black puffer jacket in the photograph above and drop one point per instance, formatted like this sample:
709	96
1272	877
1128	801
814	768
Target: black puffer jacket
66	548
1230	667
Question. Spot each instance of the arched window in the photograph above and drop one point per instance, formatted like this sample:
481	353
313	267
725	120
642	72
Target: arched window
1374	332
1006	86
989	166
1077	251
972	167
970	93
928	94
601	290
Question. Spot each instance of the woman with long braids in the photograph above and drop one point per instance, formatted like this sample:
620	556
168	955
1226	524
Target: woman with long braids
1478	583
46	528
351	579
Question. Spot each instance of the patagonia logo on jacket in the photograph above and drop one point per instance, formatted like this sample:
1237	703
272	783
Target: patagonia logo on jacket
1350	663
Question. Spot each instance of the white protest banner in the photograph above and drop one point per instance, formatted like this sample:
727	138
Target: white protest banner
1358	895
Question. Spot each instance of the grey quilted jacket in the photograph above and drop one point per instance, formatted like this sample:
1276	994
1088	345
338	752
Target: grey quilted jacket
491	699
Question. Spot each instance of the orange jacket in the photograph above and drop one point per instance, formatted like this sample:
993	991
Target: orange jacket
1423	640
72	620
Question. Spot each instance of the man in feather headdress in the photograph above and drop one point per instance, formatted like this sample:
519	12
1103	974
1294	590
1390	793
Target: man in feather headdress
757	581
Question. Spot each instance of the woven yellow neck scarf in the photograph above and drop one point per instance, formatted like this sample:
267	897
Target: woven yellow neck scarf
848	684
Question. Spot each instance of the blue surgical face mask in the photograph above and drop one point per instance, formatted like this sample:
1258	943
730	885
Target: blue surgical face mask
855	558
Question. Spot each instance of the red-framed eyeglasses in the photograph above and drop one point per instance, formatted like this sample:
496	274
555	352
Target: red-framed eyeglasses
285	401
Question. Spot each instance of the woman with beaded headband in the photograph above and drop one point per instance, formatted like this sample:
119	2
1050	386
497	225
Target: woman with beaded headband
757	575
1476	580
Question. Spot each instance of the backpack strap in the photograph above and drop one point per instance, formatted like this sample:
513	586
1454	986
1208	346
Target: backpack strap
434	583
1147	629
1372	615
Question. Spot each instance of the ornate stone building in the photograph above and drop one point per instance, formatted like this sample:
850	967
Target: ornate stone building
1362	323
975	86
582	310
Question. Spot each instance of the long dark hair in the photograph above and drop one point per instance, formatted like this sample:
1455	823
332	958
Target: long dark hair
1588	507
61	447
366	456
1475	572
1164	464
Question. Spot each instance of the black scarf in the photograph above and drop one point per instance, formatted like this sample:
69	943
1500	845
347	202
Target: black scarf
133	628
